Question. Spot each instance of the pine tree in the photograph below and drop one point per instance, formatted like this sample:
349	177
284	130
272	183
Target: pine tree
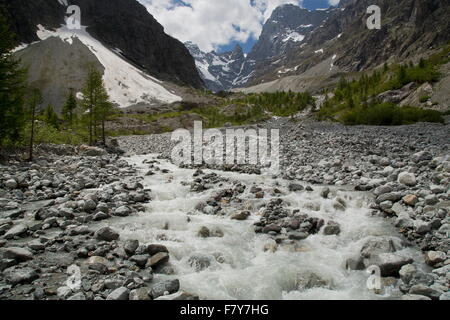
104	111
50	117
96	105
12	87
89	101
69	108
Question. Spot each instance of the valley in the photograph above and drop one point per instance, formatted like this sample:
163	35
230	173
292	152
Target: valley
93	205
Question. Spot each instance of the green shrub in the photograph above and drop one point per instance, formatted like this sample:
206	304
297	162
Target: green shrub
424	99
388	114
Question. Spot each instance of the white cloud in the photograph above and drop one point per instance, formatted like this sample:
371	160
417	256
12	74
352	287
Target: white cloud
333	2
212	23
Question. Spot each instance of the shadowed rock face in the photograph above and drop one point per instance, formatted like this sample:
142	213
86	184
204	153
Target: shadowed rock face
121	24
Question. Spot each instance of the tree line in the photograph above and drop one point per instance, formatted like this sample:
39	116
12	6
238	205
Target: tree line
21	105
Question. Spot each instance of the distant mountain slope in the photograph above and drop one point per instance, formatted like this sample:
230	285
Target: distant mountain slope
69	52
218	70
287	27
344	44
119	24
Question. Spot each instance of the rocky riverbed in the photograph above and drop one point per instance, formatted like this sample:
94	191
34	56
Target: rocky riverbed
138	227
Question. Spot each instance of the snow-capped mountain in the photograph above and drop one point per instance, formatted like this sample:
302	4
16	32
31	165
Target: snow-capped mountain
138	60
287	27
218	70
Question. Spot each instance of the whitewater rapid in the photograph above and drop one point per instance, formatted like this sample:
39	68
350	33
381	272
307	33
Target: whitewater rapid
240	268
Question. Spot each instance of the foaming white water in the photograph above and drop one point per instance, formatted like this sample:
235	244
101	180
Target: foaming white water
239	268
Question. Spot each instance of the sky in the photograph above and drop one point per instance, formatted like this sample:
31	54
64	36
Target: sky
220	24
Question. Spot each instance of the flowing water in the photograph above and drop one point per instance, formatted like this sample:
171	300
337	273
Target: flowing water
239	268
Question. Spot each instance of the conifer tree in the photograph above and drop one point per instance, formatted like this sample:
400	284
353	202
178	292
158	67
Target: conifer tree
12	88
69	108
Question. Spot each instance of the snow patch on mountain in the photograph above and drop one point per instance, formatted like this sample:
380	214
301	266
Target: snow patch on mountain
126	84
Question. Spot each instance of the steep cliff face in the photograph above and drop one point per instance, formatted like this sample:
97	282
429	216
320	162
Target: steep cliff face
119	24
344	43
288	26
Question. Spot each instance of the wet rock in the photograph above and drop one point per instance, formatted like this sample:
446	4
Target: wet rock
325	192
355	264
157	260
199	262
122	211
426	291
407	273
106	234
332	228
240	216
297	235
164	288
272	228
295	187
140	260
121	293
389	263
204	232
153	249
131	246
99	216
377	245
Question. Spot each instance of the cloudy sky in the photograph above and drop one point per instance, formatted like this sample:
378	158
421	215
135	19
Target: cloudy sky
219	24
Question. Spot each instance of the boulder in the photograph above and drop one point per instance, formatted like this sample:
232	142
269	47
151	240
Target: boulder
164	288
158	259
89	151
332	228
389	263
20	276
18	254
408	179
410	200
16	231
106	234
139	294
121	293
240	216
432	258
